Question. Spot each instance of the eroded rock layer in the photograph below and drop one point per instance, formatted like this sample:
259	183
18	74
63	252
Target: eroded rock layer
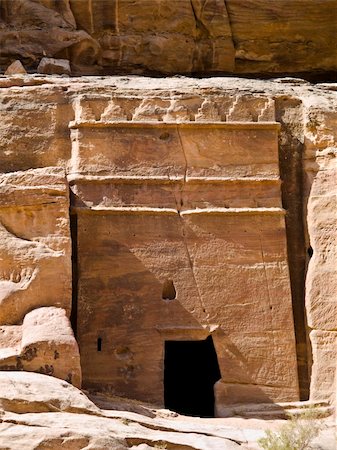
184	200
172	36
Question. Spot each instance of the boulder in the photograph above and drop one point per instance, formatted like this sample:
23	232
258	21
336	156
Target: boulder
45	343
27	392
16	68
53	66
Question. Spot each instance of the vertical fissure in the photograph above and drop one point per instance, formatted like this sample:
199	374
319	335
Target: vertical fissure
289	115
74	262
191	264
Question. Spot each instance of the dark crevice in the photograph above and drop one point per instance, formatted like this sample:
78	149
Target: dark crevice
230	22
291	171
313	77
74	260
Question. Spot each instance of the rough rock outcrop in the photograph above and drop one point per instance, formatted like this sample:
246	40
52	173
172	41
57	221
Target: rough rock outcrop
166	36
43	343
25	392
35	274
32	29
40	411
321	282
35	245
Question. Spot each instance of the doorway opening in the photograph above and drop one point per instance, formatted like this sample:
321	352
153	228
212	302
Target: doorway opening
190	370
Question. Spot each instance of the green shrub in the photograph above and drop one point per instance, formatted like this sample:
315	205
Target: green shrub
294	435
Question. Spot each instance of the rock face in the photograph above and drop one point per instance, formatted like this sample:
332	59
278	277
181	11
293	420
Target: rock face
35	284
35	242
168	206
321	282
31	30
182	232
172	36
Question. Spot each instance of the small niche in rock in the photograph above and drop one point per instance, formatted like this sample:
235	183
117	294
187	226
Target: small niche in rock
169	291
310	251
164	136
99	344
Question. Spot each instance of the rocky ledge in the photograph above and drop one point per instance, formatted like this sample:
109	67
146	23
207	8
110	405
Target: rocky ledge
42	412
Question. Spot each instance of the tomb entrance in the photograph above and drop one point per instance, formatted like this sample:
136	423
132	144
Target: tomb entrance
190	371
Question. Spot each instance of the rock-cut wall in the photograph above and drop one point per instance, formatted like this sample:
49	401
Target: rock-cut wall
152	211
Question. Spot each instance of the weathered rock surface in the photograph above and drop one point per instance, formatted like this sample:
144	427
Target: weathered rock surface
35	274
40	412
25	392
173	182
166	36
35	247
43	343
30	30
320	190
39	135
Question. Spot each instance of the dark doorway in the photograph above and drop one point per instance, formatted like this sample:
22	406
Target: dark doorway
190	371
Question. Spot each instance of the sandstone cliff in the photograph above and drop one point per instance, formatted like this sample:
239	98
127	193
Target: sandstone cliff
49	129
167	240
172	36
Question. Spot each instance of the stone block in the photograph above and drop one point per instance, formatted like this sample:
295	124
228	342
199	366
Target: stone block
48	345
52	66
